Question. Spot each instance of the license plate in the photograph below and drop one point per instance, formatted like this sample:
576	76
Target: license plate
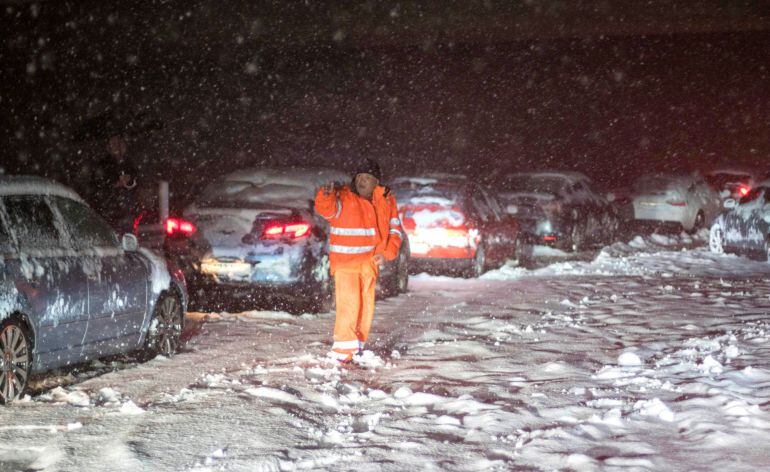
419	248
226	268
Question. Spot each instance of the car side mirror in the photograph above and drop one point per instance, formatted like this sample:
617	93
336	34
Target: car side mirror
730	203
129	242
512	209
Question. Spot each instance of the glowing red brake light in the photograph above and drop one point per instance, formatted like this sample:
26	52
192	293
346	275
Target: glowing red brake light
677	203
743	190
291	231
179	226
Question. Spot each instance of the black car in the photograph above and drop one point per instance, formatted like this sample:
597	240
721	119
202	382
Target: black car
559	209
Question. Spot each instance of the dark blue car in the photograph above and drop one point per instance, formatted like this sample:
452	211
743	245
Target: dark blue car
71	292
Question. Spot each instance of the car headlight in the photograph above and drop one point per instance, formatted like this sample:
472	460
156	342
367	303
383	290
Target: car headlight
544	227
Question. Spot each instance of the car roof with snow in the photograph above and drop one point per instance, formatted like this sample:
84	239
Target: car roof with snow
32	185
292	187
429	179
731	171
569	176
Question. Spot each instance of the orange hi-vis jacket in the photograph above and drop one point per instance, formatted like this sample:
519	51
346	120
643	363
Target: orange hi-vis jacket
360	228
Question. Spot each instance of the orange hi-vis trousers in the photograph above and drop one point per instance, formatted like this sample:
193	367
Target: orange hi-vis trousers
354	295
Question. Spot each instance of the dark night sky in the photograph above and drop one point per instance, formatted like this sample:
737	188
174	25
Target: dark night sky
606	87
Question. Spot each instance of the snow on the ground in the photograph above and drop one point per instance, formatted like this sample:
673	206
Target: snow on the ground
655	355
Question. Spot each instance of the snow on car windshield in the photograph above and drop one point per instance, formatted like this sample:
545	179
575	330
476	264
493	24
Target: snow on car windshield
534	184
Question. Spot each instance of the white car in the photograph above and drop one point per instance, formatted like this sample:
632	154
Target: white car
745	227
680	199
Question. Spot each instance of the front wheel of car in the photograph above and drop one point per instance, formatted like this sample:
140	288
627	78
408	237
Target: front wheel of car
524	252
479	263
15	359
767	249
717	240
165	328
577	238
402	273
700	222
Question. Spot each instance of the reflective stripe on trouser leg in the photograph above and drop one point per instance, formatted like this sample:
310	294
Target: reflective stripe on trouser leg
354	296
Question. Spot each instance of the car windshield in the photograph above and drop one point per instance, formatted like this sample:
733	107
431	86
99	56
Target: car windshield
534	184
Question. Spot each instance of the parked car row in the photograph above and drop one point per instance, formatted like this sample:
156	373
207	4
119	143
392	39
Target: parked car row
72	291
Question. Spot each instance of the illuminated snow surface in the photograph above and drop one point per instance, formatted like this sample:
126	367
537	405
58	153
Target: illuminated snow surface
648	355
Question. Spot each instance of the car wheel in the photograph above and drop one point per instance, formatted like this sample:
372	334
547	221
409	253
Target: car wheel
767	249
165	327
524	253
716	240
320	294
700	221
479	262
402	282
576	238
15	359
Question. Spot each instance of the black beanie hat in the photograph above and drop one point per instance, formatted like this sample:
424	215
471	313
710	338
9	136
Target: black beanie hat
368	166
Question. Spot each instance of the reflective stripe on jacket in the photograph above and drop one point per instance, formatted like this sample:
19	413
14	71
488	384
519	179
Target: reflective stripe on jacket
360	228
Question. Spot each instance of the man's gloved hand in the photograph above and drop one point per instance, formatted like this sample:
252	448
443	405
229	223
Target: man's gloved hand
379	259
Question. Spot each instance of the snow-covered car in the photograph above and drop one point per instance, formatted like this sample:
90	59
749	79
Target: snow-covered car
454	224
731	183
684	200
253	234
70	292
744	228
560	209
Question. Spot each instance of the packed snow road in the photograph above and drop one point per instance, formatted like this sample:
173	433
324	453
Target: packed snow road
655	355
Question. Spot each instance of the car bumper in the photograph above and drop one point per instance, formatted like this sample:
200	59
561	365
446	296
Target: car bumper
660	212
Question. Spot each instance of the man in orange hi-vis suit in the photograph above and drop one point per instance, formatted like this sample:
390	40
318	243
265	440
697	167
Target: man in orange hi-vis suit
365	231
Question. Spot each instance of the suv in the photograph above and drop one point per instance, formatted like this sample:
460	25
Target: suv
69	292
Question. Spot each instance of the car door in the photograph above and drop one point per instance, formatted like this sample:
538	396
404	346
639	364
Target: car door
50	278
117	280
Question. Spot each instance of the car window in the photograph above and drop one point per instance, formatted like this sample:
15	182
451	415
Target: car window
86	227
33	222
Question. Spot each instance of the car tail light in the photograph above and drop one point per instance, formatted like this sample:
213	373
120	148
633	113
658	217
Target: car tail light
286	231
549	238
178	226
677	203
743	190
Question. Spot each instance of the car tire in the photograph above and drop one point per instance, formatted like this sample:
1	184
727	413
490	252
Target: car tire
524	252
767	249
320	293
700	222
577	238
165	329
15	359
478	263
716	240
401	278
